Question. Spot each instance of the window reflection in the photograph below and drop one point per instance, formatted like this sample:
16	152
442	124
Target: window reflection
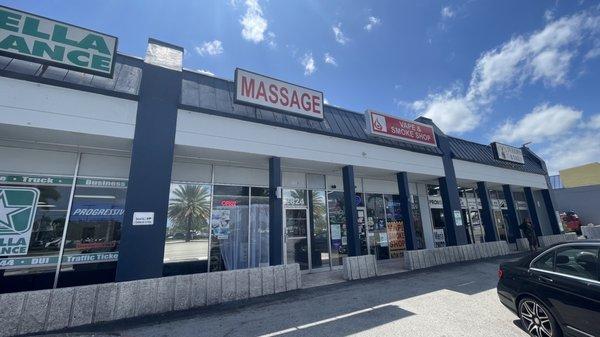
37	268
94	232
186	242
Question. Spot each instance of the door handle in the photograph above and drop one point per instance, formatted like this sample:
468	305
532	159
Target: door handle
545	278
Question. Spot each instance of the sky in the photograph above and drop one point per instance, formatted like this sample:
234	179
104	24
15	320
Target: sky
511	71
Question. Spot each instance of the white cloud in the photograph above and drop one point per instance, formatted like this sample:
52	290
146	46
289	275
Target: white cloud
271	40
211	48
308	62
558	133
594	122
372	22
205	72
253	22
549	15
543	122
339	35
570	151
545	56
325	101
329	59
447	12
449	111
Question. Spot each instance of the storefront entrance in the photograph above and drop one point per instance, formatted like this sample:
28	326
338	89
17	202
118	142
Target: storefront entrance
297	245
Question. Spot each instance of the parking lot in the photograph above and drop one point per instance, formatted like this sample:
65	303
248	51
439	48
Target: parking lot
457	300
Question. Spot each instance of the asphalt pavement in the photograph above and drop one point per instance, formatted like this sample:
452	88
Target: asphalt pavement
456	300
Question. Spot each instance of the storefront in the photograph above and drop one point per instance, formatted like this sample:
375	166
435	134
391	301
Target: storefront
203	174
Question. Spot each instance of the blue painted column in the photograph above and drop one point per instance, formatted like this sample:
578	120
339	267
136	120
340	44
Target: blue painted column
350	211
141	248
547	195
513	221
407	217
535	221
275	213
456	233
487	218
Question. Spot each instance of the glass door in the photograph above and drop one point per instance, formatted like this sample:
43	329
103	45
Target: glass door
296	243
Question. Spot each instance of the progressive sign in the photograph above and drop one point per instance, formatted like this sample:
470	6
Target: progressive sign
379	124
263	91
34	38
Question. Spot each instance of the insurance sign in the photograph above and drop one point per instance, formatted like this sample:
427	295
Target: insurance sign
38	39
508	153
383	125
263	91
17	212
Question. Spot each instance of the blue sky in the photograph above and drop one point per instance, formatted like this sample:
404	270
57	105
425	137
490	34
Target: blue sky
511	71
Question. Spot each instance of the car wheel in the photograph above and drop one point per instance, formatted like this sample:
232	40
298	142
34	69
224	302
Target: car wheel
536	319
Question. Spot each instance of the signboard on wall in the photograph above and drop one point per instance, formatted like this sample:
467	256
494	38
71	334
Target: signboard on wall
379	124
38	39
263	91
17	213
508	153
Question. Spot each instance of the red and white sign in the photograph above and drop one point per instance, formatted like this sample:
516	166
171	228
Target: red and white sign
262	91
392	127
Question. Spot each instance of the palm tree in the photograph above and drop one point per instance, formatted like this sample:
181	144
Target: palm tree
189	207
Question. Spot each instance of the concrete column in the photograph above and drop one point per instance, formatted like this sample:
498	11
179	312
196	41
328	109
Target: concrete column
151	163
513	221
275	213
548	202
487	218
535	221
350	211
407	217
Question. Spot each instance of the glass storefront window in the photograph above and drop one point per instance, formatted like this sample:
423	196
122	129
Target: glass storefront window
418	222
259	227
320	230
187	232
379	242
229	228
337	224
36	269
395	226
499	213
93	233
437	215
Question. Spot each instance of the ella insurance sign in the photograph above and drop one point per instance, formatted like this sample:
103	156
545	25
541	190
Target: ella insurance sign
34	38
379	124
263	91
17	213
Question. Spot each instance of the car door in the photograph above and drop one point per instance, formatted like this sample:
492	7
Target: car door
572	288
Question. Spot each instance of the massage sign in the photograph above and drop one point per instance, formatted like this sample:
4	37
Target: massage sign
262	91
382	125
38	39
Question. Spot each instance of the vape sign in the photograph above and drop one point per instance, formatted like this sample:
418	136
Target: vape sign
379	124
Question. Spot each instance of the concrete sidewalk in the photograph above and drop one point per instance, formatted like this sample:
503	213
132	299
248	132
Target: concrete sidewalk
452	300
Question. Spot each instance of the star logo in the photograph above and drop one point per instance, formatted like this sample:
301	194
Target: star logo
17	210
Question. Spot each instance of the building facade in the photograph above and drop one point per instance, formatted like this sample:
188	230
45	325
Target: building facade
159	171
584	175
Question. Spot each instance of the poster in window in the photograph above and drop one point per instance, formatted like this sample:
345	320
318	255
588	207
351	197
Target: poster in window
220	223
397	238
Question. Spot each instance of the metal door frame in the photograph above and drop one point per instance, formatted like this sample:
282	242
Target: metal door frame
306	208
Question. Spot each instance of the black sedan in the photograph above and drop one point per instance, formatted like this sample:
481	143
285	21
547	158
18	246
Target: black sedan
556	291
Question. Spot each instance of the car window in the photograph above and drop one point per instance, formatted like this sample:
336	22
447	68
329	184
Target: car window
545	262
578	261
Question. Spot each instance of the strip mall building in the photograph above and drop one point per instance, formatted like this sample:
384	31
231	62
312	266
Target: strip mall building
150	170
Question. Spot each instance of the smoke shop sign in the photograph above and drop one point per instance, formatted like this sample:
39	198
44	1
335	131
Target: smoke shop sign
38	39
263	91
17	212
382	125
